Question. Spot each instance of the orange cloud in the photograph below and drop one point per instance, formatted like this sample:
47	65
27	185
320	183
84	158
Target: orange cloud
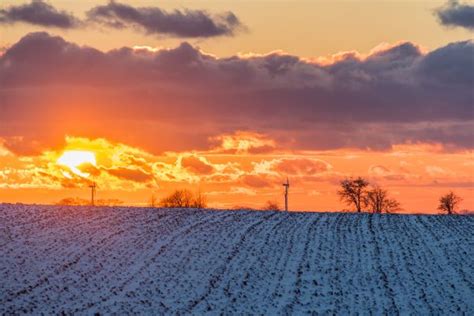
256	181
197	165
242	142
89	169
380	171
136	175
21	146
246	178
301	166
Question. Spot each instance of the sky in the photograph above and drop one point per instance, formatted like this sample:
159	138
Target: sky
232	97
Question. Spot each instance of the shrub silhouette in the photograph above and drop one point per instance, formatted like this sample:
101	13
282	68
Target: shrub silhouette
76	201
271	206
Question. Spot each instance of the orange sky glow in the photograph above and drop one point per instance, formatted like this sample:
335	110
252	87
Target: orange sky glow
234	174
230	98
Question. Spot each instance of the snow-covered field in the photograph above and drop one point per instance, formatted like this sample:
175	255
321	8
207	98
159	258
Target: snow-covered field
131	260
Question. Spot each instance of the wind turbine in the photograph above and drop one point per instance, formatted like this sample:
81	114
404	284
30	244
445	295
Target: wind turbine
287	186
93	186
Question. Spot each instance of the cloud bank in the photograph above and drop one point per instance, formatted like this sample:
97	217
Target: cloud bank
150	20
153	20
396	94
457	14
38	12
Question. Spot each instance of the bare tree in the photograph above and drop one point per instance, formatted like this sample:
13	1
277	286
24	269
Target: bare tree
199	200
153	200
378	201
177	199
271	206
449	202
183	199
353	192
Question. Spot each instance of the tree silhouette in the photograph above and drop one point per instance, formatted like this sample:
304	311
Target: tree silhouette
199	201
353	192
449	202
153	200
183	199
378	201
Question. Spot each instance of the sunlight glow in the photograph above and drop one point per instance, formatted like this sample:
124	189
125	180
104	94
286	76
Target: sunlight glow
73	159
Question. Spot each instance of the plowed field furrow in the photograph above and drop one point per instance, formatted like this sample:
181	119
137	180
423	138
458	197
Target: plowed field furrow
81	260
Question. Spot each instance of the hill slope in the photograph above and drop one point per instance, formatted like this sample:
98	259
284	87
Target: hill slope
85	260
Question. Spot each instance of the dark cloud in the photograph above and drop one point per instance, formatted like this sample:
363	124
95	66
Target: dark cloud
38	12
397	94
457	14
153	20
453	63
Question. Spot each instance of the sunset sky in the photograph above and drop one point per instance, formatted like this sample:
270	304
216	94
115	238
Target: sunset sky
232	97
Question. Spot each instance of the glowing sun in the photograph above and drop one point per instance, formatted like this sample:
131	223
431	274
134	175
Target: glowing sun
75	158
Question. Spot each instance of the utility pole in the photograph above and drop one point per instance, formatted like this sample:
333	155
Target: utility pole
93	186
287	186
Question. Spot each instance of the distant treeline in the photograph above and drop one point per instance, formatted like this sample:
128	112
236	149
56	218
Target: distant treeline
361	196
79	201
357	193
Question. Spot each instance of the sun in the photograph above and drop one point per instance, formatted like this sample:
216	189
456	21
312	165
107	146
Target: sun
75	158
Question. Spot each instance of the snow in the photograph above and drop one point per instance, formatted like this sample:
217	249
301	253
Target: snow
135	260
